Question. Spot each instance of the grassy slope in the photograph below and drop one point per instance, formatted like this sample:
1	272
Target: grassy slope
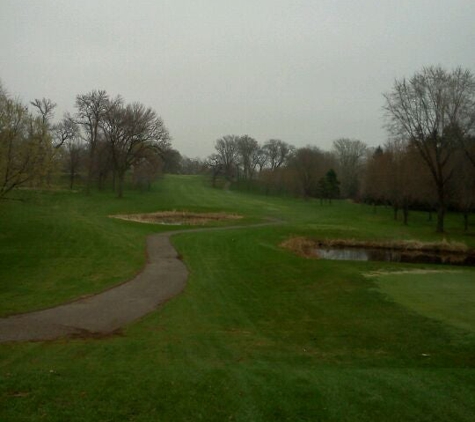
259	334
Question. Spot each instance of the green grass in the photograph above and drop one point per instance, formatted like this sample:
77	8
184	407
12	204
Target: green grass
446	296
259	334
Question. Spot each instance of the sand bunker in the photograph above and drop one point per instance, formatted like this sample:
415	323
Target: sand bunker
177	218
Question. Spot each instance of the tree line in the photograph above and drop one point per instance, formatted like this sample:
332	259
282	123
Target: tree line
278	167
428	161
103	141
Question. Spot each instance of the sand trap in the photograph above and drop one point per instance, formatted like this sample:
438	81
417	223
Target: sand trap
177	218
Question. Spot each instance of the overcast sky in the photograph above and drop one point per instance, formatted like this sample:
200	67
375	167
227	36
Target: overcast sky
304	71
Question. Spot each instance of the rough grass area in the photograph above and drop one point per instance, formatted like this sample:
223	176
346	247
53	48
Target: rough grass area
413	250
301	246
306	247
178	217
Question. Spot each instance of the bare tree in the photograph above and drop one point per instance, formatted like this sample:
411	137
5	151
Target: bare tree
308	167
226	158
172	161
91	108
247	150
66	129
132	131
373	189
45	108
67	138
463	187
278	152
146	169
216	168
259	159
428	110
403	179
350	154
73	156
193	165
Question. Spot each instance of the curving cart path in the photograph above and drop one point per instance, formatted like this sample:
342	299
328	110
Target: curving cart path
163	277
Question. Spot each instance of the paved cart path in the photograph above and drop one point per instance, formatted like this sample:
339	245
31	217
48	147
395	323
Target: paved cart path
163	277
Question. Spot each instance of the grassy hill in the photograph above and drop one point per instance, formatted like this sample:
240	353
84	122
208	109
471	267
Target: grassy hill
259	334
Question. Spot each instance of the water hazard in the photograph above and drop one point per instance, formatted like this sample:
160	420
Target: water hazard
394	255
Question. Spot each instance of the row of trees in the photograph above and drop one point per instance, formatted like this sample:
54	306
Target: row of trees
428	162
397	175
105	139
394	174
280	167
434	112
241	157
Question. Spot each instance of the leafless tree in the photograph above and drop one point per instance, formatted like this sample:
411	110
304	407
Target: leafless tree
247	152
277	152
225	159
132	131
73	156
373	188
45	108
350	154
146	169
193	165
172	161
66	129
91	108
216	168
308	167
259	159
463	187
432	110
403	179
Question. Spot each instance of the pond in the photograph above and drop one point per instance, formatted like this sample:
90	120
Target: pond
394	255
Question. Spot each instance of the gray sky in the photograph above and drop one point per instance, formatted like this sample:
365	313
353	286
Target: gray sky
304	71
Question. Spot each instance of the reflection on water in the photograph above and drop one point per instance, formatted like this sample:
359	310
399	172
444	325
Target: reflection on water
392	255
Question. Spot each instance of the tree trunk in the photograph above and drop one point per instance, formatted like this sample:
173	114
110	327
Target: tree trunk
396	210
405	213
90	168
440	218
441	209
100	181
120	185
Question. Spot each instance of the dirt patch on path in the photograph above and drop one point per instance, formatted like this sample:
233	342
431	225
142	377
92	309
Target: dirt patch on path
163	277
177	217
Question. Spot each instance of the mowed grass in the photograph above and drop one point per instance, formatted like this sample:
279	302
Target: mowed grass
446	296
259	334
